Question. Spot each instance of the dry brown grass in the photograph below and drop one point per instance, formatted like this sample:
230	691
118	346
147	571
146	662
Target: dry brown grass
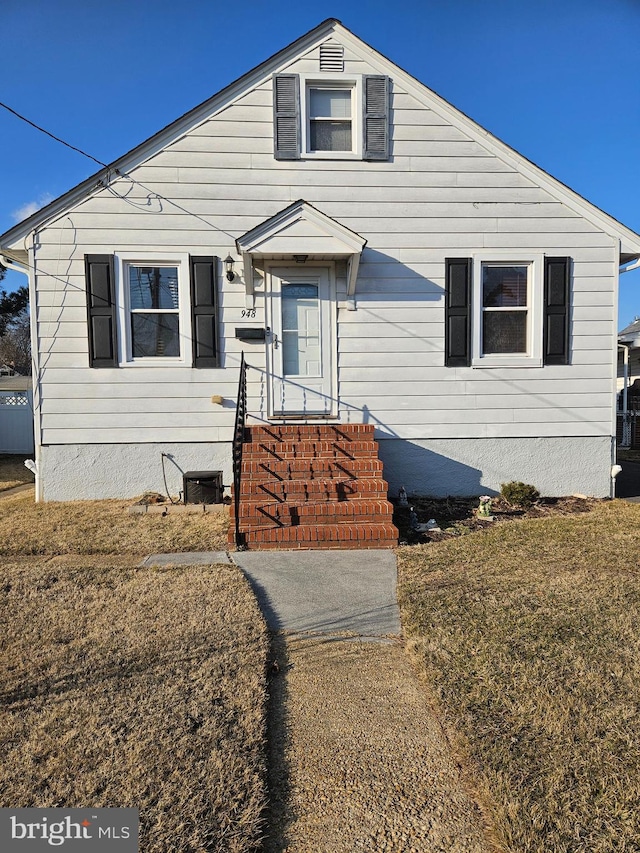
103	527
135	687
12	471
530	635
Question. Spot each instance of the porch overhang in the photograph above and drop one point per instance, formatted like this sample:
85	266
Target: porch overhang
300	230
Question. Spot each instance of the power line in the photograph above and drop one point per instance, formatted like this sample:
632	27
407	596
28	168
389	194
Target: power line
57	138
116	171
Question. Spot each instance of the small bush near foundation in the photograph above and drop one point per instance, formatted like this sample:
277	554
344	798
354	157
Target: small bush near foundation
519	494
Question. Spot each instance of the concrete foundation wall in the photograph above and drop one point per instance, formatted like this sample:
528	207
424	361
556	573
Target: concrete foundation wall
459	467
96	472
466	467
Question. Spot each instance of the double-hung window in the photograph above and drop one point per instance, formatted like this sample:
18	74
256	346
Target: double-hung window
507	326
331	116
503	310
332	125
505	306
152	309
331	113
154	320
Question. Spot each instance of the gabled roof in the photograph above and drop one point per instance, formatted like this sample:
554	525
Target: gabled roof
301	229
631	334
281	233
10	241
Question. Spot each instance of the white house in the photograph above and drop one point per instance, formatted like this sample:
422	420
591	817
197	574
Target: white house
394	264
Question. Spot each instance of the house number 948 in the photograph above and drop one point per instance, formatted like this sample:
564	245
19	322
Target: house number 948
249	312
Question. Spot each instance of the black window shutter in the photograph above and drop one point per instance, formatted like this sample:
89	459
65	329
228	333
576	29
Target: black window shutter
204	317
101	310
557	276
375	119
457	307
286	116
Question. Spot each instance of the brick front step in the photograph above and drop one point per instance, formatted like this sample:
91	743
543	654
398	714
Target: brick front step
313	486
306	432
297	491
325	536
286	450
255	515
311	469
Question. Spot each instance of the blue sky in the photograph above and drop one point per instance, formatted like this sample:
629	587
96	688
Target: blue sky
558	80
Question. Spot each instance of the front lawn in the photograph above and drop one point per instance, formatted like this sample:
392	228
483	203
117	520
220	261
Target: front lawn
103	527
529	634
135	687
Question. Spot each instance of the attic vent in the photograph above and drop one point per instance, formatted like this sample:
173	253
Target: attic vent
331	57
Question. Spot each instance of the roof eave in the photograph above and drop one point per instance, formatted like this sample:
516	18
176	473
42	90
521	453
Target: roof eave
629	240
14	237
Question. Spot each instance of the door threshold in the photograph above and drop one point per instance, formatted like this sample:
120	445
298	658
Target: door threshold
298	418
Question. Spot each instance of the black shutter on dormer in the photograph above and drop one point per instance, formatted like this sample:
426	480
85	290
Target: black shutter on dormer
557	278
286	117
375	119
457	307
101	310
204	315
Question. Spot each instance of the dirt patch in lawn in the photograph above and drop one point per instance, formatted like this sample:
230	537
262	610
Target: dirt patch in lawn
140	688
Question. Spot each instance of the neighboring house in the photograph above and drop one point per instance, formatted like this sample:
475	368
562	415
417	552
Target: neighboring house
16	413
629	346
399	266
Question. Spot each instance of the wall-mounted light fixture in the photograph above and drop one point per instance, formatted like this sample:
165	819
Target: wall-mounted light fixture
228	265
300	259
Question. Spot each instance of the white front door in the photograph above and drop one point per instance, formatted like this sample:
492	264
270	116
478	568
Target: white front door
301	344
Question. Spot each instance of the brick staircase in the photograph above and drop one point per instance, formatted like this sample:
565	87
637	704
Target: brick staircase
313	487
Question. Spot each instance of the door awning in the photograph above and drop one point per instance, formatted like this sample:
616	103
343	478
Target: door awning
301	230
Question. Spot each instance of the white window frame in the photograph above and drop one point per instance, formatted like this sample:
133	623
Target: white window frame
533	356
352	82
180	260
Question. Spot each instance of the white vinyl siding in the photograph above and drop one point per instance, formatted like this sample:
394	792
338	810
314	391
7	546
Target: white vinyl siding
441	195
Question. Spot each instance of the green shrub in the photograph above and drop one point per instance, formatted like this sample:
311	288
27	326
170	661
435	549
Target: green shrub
519	494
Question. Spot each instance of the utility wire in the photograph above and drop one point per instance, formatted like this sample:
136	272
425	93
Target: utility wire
117	172
57	138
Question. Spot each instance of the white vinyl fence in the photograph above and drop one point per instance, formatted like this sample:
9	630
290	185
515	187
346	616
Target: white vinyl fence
16	421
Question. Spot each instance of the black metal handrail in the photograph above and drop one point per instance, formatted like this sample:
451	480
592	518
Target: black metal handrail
238	442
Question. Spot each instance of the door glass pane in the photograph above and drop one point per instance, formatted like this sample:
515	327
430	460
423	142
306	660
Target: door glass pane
300	330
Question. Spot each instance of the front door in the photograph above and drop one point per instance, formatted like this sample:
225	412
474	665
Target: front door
301	343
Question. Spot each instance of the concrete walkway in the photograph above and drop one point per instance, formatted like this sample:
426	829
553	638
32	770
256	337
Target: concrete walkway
327	592
357	758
